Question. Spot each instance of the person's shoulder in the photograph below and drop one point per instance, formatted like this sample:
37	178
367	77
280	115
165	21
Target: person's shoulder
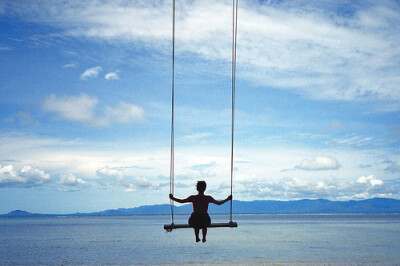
209	197
191	197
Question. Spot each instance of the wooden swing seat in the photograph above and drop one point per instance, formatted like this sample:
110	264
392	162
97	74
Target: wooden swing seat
170	227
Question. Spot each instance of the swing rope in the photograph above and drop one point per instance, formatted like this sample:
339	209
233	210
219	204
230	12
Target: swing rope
234	41
172	163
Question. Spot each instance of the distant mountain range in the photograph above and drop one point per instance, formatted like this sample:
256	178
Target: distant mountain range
375	205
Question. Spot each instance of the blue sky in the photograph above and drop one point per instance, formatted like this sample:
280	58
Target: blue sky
86	88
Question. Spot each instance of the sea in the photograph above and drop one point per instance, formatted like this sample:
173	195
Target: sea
348	239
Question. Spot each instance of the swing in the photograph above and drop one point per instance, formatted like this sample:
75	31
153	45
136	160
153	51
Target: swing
170	227
231	223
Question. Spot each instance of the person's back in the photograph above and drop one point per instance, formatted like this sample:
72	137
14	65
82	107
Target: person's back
200	202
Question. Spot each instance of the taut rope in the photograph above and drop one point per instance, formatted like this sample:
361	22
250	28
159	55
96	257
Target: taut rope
171	171
234	40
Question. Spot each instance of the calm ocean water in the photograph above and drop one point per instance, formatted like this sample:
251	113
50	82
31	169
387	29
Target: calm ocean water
269	239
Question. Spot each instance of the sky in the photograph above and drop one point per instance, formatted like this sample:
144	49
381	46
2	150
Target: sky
85	101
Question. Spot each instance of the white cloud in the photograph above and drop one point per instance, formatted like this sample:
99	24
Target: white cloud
34	175
111	76
139	183
71	65
26	177
355	141
76	108
295	188
311	49
195	137
258	172
82	109
131	188
9	176
196	174
124	113
91	72
84	158
130	184
370	180
110	172
319	163
70	182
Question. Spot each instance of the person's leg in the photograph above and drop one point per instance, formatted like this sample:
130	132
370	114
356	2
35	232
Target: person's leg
196	233
204	231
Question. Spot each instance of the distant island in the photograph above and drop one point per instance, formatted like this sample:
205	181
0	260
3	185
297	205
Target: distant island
306	206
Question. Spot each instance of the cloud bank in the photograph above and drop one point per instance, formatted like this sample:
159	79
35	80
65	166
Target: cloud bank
332	51
27	177
76	108
295	188
107	172
69	182
139	183
319	163
117	177
82	109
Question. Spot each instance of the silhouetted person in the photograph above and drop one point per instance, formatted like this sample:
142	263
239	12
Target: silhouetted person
200	218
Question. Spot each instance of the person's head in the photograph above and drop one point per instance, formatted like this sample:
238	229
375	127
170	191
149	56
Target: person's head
201	186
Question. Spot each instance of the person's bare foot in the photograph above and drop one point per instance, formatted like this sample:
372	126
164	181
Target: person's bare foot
204	239
197	239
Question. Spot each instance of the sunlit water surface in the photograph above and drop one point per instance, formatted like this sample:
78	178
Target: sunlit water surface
269	239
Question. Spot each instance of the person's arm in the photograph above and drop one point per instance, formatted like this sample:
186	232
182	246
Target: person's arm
220	202
179	200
